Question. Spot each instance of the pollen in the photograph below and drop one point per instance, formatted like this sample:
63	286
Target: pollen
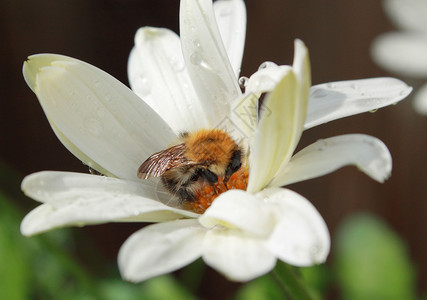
207	194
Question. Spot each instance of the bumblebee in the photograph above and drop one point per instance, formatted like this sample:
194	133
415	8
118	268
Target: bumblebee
201	157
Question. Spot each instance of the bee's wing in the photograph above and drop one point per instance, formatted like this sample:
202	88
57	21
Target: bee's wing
158	163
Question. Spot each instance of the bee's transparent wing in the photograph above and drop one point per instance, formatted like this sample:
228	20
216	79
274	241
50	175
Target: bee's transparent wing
158	163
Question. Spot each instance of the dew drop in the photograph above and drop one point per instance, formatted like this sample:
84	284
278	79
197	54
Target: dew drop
243	82
177	65
195	59
314	249
267	64
355	86
143	86
94	126
196	43
319	93
373	110
321	146
331	85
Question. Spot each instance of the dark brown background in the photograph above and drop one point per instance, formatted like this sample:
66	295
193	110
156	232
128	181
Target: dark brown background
338	34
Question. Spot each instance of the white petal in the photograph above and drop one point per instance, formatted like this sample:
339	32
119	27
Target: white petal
206	59
335	100
420	100
402	53
230	16
96	114
237	256
276	135
244	117
367	153
241	210
408	14
78	199
160	249
301	237
158	75
266	78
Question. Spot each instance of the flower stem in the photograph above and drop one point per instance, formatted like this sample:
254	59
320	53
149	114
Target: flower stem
291	283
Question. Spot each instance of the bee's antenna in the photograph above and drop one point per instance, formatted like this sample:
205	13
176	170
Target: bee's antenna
225	180
213	187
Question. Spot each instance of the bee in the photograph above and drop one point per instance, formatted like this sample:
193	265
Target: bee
201	157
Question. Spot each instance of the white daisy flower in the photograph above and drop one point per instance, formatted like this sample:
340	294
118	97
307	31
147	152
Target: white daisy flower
109	128
404	52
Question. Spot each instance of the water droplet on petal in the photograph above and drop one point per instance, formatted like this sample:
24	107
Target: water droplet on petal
331	85
321	145
196	43
314	249
355	86
143	86
177	65
267	64
319	93
196	59
373	110
243	82
94	126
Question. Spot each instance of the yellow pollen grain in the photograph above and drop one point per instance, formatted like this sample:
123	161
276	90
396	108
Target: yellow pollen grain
208	193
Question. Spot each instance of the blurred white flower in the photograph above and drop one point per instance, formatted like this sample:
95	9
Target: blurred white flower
404	52
113	131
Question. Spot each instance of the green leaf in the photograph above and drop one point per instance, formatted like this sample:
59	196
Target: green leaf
318	278
261	288
15	279
372	261
165	287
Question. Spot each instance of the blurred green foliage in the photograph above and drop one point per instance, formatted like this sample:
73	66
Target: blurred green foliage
369	261
264	287
372	261
41	268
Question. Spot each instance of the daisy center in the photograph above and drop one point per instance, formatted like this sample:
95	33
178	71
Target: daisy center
208	193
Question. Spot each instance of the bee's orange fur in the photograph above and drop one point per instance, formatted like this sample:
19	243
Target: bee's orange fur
213	145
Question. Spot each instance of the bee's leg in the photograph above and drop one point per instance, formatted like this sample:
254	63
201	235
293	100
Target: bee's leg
209	177
233	166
